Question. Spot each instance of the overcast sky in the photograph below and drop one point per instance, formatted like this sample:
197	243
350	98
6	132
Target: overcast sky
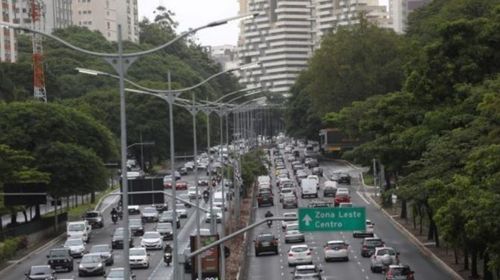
194	13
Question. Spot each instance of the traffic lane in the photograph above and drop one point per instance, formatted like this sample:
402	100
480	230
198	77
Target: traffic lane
266	266
39	257
409	253
161	270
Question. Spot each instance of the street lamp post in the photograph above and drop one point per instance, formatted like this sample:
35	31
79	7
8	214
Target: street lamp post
121	62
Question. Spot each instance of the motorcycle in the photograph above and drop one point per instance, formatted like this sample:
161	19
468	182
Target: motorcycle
269	223
114	218
167	258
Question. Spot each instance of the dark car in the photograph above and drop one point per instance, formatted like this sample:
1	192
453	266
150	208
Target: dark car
117	239
105	251
40	272
168	217
60	259
165	230
290	201
318	171
369	244
161	207
344	178
265	199
94	218
136	227
91	264
266	242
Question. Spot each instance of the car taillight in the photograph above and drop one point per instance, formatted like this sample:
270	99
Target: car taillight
365	247
290	254
275	242
308	253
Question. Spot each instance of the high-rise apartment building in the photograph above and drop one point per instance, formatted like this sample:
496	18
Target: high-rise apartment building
399	11
105	15
286	32
225	55
54	14
8	52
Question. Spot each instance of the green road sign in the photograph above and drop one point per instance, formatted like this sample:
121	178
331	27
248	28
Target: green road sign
332	219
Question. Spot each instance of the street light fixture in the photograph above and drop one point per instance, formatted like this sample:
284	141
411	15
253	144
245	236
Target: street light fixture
120	62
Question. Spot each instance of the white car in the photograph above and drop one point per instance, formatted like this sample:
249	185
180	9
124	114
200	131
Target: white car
76	247
292	234
368	231
189	165
285	191
314	177
192	193
152	240
138	257
149	214
342	191
299	254
181	210
336	250
383	256
288	215
217	214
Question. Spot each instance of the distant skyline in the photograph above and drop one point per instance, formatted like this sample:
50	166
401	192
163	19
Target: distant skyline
195	13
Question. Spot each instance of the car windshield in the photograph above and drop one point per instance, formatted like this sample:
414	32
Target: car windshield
137	252
386	252
99	248
116	273
307	277
91	259
298	249
135	222
76	227
58	253
166	226
91	215
40	270
266	237
337	246
374	243
306	271
73	242
148	235
286	190
400	271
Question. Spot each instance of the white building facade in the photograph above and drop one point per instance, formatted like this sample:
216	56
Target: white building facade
286	32
105	15
8	51
399	11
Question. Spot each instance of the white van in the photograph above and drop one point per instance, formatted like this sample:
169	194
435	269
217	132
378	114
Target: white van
80	229
264	180
309	188
218	200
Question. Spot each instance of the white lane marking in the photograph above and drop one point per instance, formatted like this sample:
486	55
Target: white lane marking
363	197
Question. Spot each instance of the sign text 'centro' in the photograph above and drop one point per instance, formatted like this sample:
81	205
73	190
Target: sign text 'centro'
332	219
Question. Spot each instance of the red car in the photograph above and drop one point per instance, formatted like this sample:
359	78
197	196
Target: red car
179	185
342	198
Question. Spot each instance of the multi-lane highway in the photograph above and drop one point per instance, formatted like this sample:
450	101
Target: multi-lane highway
157	269
276	266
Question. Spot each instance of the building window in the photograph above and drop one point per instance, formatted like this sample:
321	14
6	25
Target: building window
109	25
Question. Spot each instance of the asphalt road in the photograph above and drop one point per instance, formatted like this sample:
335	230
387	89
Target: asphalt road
157	269
276	266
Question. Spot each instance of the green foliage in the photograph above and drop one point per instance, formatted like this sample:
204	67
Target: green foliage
9	247
436	131
251	168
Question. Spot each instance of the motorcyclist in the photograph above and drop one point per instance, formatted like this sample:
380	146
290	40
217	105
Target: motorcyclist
114	215
167	249
114	211
269	214
167	254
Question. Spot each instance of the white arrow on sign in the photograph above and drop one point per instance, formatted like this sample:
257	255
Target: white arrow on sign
307	220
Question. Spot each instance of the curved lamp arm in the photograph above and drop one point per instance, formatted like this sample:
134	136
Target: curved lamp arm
132	54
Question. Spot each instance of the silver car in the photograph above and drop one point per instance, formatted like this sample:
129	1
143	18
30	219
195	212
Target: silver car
382	258
292	234
76	247
105	251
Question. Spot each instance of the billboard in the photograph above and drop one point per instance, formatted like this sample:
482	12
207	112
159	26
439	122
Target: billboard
146	184
21	189
209	259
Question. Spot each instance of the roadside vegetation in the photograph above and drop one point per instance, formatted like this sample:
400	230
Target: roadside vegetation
427	106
